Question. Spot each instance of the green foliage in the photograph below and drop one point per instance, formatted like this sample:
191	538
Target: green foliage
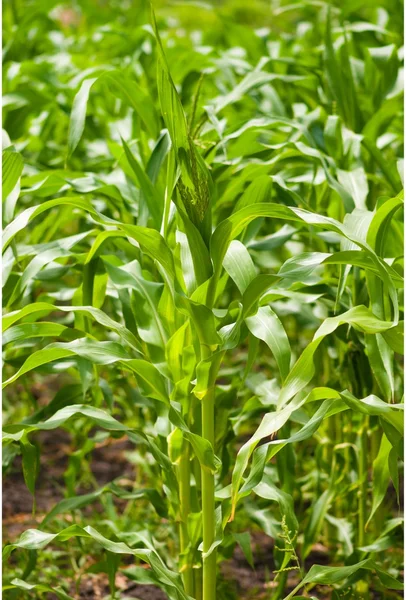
203	239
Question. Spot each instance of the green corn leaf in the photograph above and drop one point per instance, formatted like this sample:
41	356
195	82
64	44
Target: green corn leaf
70	504
12	165
203	293
28	331
330	575
244	541
339	74
206	374
380	224
202	267
30	456
238	264
266	326
202	448
148	294
40	309
99	353
266	489
37	540
231	227
317	516
36	587
150	241
100	417
302	372
193	185
78	115
381	476
153	202
128	89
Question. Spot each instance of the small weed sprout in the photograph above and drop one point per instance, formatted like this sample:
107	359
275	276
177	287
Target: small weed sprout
289	539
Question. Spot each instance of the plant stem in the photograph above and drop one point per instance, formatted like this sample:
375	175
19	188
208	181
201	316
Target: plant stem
89	274
170	182
198	584
363	479
294	591
379	516
282	581
208	504
389	172
184	498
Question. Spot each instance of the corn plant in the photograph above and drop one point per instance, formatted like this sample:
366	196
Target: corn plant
203	252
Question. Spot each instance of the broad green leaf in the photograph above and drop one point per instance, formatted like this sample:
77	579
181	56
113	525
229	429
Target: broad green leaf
202	267
193	185
340	80
380	224
231	227
317	516
150	241
238	264
202	447
380	476
37	540
303	370
28	331
153	202
40	309
268	490
127	88
99	353
204	323
30	456
380	358
103	419
244	541
136	96
68	505
206	374
36	587
253	80
330	575
78	115
256	289
12	165
148	294
356	184
266	326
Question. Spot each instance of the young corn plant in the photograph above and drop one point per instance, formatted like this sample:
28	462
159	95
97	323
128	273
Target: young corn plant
223	292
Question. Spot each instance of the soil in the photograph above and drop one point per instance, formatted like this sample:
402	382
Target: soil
96	588
108	462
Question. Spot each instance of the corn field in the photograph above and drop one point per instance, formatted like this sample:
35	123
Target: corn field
203	300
